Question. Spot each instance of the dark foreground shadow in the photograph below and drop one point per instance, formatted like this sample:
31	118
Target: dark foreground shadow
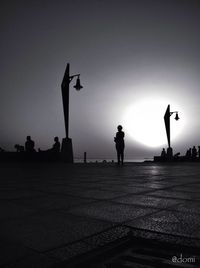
30	157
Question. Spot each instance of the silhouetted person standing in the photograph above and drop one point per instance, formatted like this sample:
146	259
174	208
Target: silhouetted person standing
119	141
190	153
194	152
187	154
29	145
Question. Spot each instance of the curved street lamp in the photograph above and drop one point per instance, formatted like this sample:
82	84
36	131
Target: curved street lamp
66	148
167	126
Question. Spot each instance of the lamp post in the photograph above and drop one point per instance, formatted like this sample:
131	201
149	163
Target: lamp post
167	126
66	148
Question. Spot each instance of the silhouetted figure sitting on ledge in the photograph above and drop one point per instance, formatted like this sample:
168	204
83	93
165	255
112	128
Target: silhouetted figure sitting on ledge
29	145
119	141
55	148
163	153
19	148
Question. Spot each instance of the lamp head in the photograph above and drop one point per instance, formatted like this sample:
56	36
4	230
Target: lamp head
177	117
78	84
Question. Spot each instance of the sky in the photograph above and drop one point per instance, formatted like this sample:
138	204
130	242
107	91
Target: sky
127	52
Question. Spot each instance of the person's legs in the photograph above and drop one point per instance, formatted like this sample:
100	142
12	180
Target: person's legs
118	157
122	157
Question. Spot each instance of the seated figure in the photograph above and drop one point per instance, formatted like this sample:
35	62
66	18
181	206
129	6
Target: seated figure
55	148
29	145
163	153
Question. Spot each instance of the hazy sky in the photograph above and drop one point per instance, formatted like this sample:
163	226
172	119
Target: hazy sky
126	51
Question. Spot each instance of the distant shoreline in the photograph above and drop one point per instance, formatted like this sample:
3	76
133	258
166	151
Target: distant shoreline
109	160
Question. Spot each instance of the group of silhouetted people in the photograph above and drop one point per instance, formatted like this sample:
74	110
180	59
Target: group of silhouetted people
118	139
193	153
30	146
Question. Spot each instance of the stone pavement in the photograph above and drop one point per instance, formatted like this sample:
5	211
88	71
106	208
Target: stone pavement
53	211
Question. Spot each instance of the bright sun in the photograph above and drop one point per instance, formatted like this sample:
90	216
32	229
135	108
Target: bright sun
144	122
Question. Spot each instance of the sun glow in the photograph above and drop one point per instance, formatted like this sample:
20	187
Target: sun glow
144	122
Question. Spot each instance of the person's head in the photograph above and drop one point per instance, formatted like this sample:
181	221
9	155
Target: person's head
119	127
56	139
28	138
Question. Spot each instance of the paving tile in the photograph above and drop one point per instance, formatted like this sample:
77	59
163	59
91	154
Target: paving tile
97	194
171	222
69	251
60	189
126	189
176	194
51	202
147	201
51	229
153	184
108	236
17	194
111	211
189	241
188	188
35	260
188	207
196	234
9	210
11	250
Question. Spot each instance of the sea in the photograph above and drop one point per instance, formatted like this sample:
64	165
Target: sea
109	160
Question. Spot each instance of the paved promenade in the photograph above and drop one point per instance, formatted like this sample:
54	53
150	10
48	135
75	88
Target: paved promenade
52	212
